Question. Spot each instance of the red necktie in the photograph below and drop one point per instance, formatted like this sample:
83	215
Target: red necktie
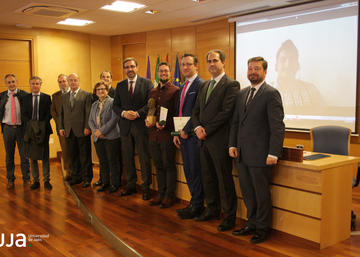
131	88
13	109
183	97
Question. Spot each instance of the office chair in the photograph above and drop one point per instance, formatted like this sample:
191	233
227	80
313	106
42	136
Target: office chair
334	140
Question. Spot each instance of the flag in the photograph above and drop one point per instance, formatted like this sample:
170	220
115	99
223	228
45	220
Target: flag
177	76
167	58
156	80
148	73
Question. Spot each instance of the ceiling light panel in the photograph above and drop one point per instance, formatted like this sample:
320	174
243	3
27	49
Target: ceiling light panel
123	6
75	22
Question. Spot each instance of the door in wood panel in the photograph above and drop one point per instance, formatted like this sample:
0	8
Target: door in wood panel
15	58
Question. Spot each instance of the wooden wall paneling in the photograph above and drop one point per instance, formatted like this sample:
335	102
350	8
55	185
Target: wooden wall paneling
138	51
158	43
116	58
212	36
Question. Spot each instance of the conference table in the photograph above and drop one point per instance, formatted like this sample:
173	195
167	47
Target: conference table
312	199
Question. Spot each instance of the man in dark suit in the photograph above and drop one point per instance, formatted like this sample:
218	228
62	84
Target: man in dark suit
256	139
55	113
12	129
187	141
211	121
106	76
74	125
36	107
130	103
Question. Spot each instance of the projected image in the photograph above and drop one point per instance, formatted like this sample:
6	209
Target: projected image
312	57
296	93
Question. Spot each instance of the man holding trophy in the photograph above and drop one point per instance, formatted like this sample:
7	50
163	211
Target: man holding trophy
165	97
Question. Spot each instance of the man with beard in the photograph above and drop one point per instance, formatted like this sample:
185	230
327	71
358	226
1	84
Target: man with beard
162	148
256	139
130	103
211	120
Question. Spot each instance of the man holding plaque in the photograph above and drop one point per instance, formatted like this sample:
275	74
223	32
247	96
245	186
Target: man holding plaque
187	141
131	104
161	145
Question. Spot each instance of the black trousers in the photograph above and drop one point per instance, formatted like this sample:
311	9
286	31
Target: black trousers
218	183
163	155
139	139
110	167
80	153
255	189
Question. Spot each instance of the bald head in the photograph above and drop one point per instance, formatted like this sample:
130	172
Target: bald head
74	81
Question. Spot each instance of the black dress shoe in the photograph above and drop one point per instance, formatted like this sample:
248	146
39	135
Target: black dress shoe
259	237
128	192
189	213
158	199
85	184
35	185
226	225
146	195
245	231
206	215
74	182
47	185
98	183
102	188
186	209
167	202
113	189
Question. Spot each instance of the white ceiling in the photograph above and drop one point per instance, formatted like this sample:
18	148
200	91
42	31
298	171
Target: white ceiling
173	13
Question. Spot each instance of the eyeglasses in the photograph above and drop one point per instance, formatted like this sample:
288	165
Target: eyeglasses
101	89
130	66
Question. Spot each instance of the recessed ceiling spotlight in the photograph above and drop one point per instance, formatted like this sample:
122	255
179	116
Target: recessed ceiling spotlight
123	6
198	1
152	12
75	22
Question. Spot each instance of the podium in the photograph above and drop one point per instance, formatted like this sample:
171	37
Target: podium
312	199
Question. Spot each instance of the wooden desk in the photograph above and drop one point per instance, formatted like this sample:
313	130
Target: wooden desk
312	199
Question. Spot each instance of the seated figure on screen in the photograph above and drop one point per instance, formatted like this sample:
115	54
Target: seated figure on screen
295	92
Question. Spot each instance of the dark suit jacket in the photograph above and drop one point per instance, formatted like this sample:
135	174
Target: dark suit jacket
138	103
189	102
44	110
260	129
215	115
3	99
76	118
56	108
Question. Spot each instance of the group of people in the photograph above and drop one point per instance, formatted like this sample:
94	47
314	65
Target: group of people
224	123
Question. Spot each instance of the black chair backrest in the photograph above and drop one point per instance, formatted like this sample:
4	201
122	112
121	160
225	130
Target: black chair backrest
331	139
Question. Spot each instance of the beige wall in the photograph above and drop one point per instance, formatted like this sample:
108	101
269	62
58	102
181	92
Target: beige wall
57	51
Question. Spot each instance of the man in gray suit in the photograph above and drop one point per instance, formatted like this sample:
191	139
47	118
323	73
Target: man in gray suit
256	139
55	113
74	125
211	120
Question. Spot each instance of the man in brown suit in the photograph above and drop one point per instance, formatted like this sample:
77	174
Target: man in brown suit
55	113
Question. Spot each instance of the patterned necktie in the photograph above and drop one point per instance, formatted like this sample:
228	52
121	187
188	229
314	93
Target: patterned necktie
210	89
13	109
182	99
131	88
35	112
72	99
251	96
